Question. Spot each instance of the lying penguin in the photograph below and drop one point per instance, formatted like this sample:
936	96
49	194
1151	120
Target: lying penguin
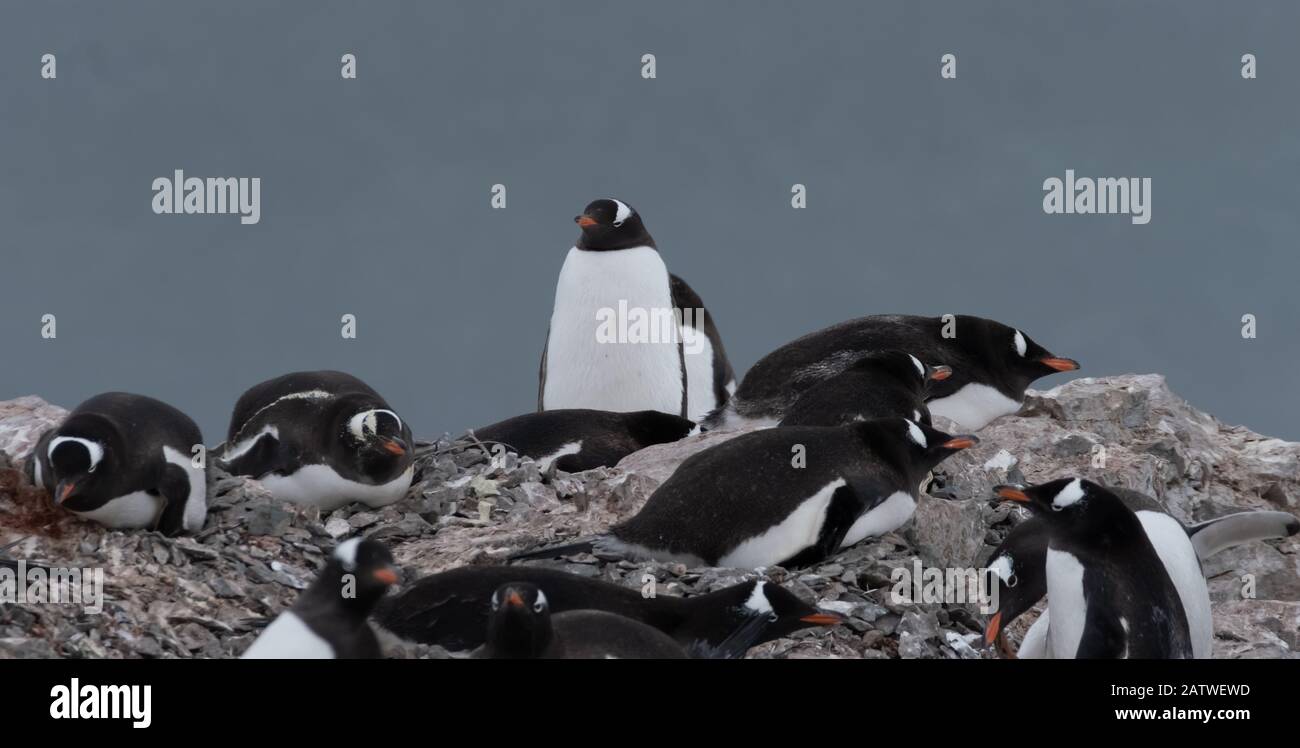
577	439
451	609
1113	595
125	461
1019	562
322	438
520	626
791	496
878	385
992	366
328	621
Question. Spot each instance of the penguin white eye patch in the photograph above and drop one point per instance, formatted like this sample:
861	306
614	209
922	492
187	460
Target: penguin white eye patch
1071	494
916	433
1021	346
920	367
94	451
368	421
622	214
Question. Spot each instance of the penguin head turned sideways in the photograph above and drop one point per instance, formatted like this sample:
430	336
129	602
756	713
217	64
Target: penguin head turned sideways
1006	355
1064	502
84	456
372	438
905	368
780	608
913	447
362	571
519	620
610	224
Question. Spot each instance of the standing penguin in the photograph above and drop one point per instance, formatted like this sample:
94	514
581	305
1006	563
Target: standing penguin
615	341
1110	594
878	385
578	439
521	626
1019	562
322	438
125	461
992	366
328	621
791	496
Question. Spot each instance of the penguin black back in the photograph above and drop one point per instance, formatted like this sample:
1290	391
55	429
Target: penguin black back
451	608
521	626
581	439
878	385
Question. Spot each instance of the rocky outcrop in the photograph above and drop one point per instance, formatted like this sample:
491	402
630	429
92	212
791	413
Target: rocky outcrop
207	595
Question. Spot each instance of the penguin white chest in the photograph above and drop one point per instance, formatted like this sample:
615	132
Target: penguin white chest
133	510
613	341
973	406
796	531
1178	556
887	516
320	485
289	638
1068	605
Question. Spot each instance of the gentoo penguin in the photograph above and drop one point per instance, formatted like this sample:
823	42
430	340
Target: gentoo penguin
578	439
992	366
1111	597
790	496
451	608
328	621
125	461
520	626
323	438
615	341
878	385
1019	564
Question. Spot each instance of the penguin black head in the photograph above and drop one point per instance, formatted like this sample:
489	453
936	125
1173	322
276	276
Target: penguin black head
907	369
83	455
611	224
1063	497
373	438
1011	358
1018	564
360	571
519	622
742	616
915	447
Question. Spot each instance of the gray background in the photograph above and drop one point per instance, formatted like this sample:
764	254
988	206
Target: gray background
924	194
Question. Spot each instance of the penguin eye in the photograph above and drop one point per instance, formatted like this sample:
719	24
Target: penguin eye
617	224
539	606
773	617
1013	580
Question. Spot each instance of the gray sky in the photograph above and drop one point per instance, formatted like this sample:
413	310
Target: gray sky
924	195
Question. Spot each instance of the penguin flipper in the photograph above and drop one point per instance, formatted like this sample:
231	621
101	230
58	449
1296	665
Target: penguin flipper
1212	536
265	455
842	511
175	489
541	374
555	551
1104	637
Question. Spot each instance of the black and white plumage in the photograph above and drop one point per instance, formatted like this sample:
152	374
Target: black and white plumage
1110	592
878	385
789	496
1019	562
625	335
992	365
328	621
578	439
125	461
323	438
521	626
451	608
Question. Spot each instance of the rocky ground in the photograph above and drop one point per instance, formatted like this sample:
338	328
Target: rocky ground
207	595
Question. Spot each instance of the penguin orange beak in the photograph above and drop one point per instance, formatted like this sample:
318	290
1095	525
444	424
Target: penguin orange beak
514	600
395	446
386	575
961	442
1060	364
823	619
64	490
1010	493
585	221
940	373
991	630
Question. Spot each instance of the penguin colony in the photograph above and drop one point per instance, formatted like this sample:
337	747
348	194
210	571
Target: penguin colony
632	358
